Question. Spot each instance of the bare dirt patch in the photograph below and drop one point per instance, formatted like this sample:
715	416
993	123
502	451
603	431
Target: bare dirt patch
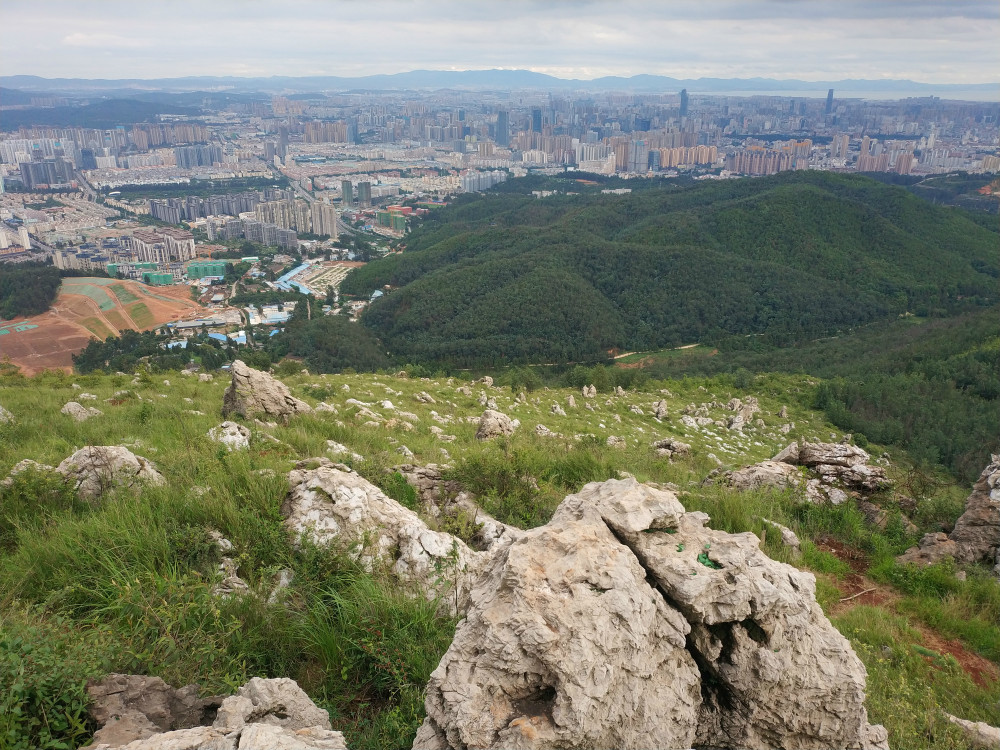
979	668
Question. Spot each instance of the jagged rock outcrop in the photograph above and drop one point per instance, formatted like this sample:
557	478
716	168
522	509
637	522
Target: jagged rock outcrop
493	424
543	431
976	536
95	469
234	436
252	393
133	707
669	447
441	498
660	409
980	735
589	391
79	412
765	474
273	714
332	506
626	623
27	464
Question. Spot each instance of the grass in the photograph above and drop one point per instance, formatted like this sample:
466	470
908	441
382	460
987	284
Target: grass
96	327
125	583
123	294
141	315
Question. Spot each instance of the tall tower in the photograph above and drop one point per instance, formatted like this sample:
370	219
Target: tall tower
684	102
346	193
536	119
829	102
22	235
503	128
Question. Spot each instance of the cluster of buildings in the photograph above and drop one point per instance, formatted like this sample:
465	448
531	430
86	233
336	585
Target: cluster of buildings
162	249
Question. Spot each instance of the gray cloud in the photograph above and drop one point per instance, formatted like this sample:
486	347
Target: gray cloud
939	41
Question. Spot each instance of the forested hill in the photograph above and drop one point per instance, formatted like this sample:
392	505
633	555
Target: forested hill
507	277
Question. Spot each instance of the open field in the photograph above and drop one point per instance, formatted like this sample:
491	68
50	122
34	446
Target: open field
88	307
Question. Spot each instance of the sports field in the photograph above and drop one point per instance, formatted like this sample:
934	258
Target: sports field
88	308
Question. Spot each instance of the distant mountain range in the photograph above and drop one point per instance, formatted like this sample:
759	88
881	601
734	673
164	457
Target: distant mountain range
482	80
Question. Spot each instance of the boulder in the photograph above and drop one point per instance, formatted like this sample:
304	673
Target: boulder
672	447
570	401
134	707
95	469
252	393
339	449
614	441
486	380
635	409
624	622
79	412
26	464
557	410
589	391
272	714
765	474
788	537
234	436
425	398
5	416
976	536
494	424
979	734
543	431
204	377
660	409
230	582
328	505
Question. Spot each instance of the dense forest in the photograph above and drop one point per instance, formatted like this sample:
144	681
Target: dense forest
27	289
505	278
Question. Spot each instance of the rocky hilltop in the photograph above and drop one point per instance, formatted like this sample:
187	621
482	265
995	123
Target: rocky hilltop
380	561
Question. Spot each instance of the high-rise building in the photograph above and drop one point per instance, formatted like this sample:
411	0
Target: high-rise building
346	193
503	128
324	219
536	119
283	141
684	102
364	193
829	102
23	238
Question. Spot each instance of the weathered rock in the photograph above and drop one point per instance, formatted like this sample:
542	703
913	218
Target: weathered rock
674	446
5	416
133	707
270	714
26	464
619	391
543	431
788	537
494	424
977	531
783	412
589	391
979	734
765	474
95	469
614	441
557	410
660	409
976	536
636	410
425	398
486	380
837	465
570	401
86	397
79	412
230	582
339	449
252	393
204	377
464	390
234	436
605	628
831	454
331	506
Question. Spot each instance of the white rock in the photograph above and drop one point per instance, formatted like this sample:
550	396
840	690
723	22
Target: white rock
79	412
95	469
234	436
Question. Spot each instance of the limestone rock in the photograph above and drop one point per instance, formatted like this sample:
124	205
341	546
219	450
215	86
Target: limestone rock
279	702
339	449
26	464
570	401
267	737
636	410
494	424
133	707
234	436
660	409
331	506
543	431
557	410
95	469
624	622
765	474
204	377
252	393
589	391
976	536
86	397
486	380
79	412
614	441
425	398
5	416
978	733
230	583
788	537
619	391
668	447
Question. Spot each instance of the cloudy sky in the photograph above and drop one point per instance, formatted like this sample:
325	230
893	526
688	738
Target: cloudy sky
934	41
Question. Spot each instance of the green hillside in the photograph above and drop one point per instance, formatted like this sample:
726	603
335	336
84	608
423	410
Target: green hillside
500	278
124	583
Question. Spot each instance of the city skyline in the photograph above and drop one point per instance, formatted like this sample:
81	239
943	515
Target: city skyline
929	42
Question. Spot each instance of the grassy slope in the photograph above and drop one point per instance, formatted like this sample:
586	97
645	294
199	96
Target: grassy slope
124	584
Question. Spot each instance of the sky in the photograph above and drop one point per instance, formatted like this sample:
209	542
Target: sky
931	41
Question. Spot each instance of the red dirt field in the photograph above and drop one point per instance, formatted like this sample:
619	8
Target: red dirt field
74	319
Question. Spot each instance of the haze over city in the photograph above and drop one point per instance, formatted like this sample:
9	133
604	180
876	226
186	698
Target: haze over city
935	41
